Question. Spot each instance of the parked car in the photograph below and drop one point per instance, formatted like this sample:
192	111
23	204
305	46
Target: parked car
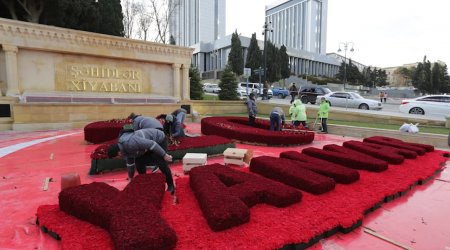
280	92
427	105
310	93
211	88
350	100
253	87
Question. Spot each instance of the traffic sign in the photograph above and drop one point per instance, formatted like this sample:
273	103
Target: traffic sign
247	72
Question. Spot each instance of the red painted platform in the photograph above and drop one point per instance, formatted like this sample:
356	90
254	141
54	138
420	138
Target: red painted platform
419	220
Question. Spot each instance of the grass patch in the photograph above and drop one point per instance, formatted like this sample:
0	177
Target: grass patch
210	97
422	129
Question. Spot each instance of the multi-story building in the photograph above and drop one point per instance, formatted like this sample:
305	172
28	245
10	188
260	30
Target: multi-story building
300	25
195	21
395	78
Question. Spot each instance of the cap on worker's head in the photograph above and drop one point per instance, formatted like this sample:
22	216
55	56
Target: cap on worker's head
113	150
169	118
322	99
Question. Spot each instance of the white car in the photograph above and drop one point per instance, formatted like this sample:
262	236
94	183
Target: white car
253	87
427	105
211	88
350	100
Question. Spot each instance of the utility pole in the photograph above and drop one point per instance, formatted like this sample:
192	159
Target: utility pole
345	44
267	28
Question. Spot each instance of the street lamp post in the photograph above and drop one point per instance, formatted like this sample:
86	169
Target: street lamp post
267	28
346	45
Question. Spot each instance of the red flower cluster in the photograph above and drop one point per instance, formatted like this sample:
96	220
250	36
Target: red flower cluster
198	142
347	157
419	148
389	154
131	216
339	173
237	128
103	131
101	152
225	194
291	173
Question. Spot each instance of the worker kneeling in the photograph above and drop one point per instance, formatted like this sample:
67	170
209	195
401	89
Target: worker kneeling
276	119
141	148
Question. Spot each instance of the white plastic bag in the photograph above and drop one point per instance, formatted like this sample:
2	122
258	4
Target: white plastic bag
405	127
413	128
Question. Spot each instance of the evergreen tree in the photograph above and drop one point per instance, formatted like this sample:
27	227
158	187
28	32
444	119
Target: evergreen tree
228	85
172	40
196	91
445	87
436	79
273	62
111	17
253	58
235	58
422	76
104	16
285	70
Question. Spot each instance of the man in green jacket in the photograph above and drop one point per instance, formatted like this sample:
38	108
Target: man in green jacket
323	114
298	113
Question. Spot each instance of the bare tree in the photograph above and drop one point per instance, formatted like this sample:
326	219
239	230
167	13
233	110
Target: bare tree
130	9
162	11
145	20
33	9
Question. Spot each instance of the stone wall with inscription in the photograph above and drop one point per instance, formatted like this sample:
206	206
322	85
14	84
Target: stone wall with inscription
56	61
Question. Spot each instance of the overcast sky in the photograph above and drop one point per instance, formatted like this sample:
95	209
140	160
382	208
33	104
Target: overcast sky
384	32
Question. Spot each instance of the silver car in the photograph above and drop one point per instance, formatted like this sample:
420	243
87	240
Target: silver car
350	100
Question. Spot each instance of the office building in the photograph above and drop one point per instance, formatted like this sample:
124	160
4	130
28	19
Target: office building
195	21
299	24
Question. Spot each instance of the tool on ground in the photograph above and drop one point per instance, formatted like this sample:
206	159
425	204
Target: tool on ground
47	180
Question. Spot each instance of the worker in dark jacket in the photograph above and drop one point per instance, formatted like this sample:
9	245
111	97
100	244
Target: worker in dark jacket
173	128
252	109
277	119
140	122
180	114
141	148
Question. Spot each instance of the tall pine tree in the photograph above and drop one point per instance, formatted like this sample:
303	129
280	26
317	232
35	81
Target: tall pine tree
236	58
228	85
196	91
253	58
284	63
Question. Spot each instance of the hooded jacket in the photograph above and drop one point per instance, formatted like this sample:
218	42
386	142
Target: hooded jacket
323	109
298	111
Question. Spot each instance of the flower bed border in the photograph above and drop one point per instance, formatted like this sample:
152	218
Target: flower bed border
100	165
236	128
